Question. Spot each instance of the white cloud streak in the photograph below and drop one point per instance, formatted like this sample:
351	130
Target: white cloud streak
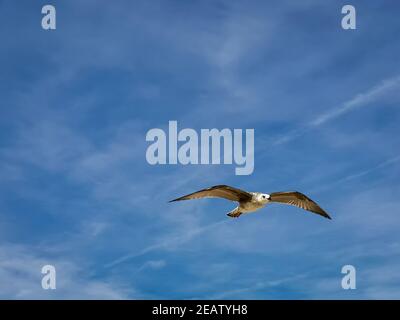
379	91
169	243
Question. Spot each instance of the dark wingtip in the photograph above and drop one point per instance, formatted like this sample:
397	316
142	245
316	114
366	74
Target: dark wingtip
327	216
177	199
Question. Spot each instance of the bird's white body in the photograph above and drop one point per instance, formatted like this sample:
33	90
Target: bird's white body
258	201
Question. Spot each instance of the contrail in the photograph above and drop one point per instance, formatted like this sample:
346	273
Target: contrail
381	165
358	101
165	244
368	171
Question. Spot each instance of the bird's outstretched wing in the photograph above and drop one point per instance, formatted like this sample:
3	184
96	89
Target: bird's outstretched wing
299	200
220	191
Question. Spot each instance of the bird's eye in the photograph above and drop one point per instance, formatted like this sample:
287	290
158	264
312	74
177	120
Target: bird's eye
263	197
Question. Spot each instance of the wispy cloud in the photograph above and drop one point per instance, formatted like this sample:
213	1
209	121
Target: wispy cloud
153	264
353	176
169	243
358	101
386	87
360	174
20	276
265	288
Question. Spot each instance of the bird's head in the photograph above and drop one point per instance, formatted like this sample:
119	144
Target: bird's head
264	197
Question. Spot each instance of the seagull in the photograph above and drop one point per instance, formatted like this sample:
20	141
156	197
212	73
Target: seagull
252	201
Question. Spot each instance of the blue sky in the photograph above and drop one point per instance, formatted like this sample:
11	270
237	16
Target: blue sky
77	192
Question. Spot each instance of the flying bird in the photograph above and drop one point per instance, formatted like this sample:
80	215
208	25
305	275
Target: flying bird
252	201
